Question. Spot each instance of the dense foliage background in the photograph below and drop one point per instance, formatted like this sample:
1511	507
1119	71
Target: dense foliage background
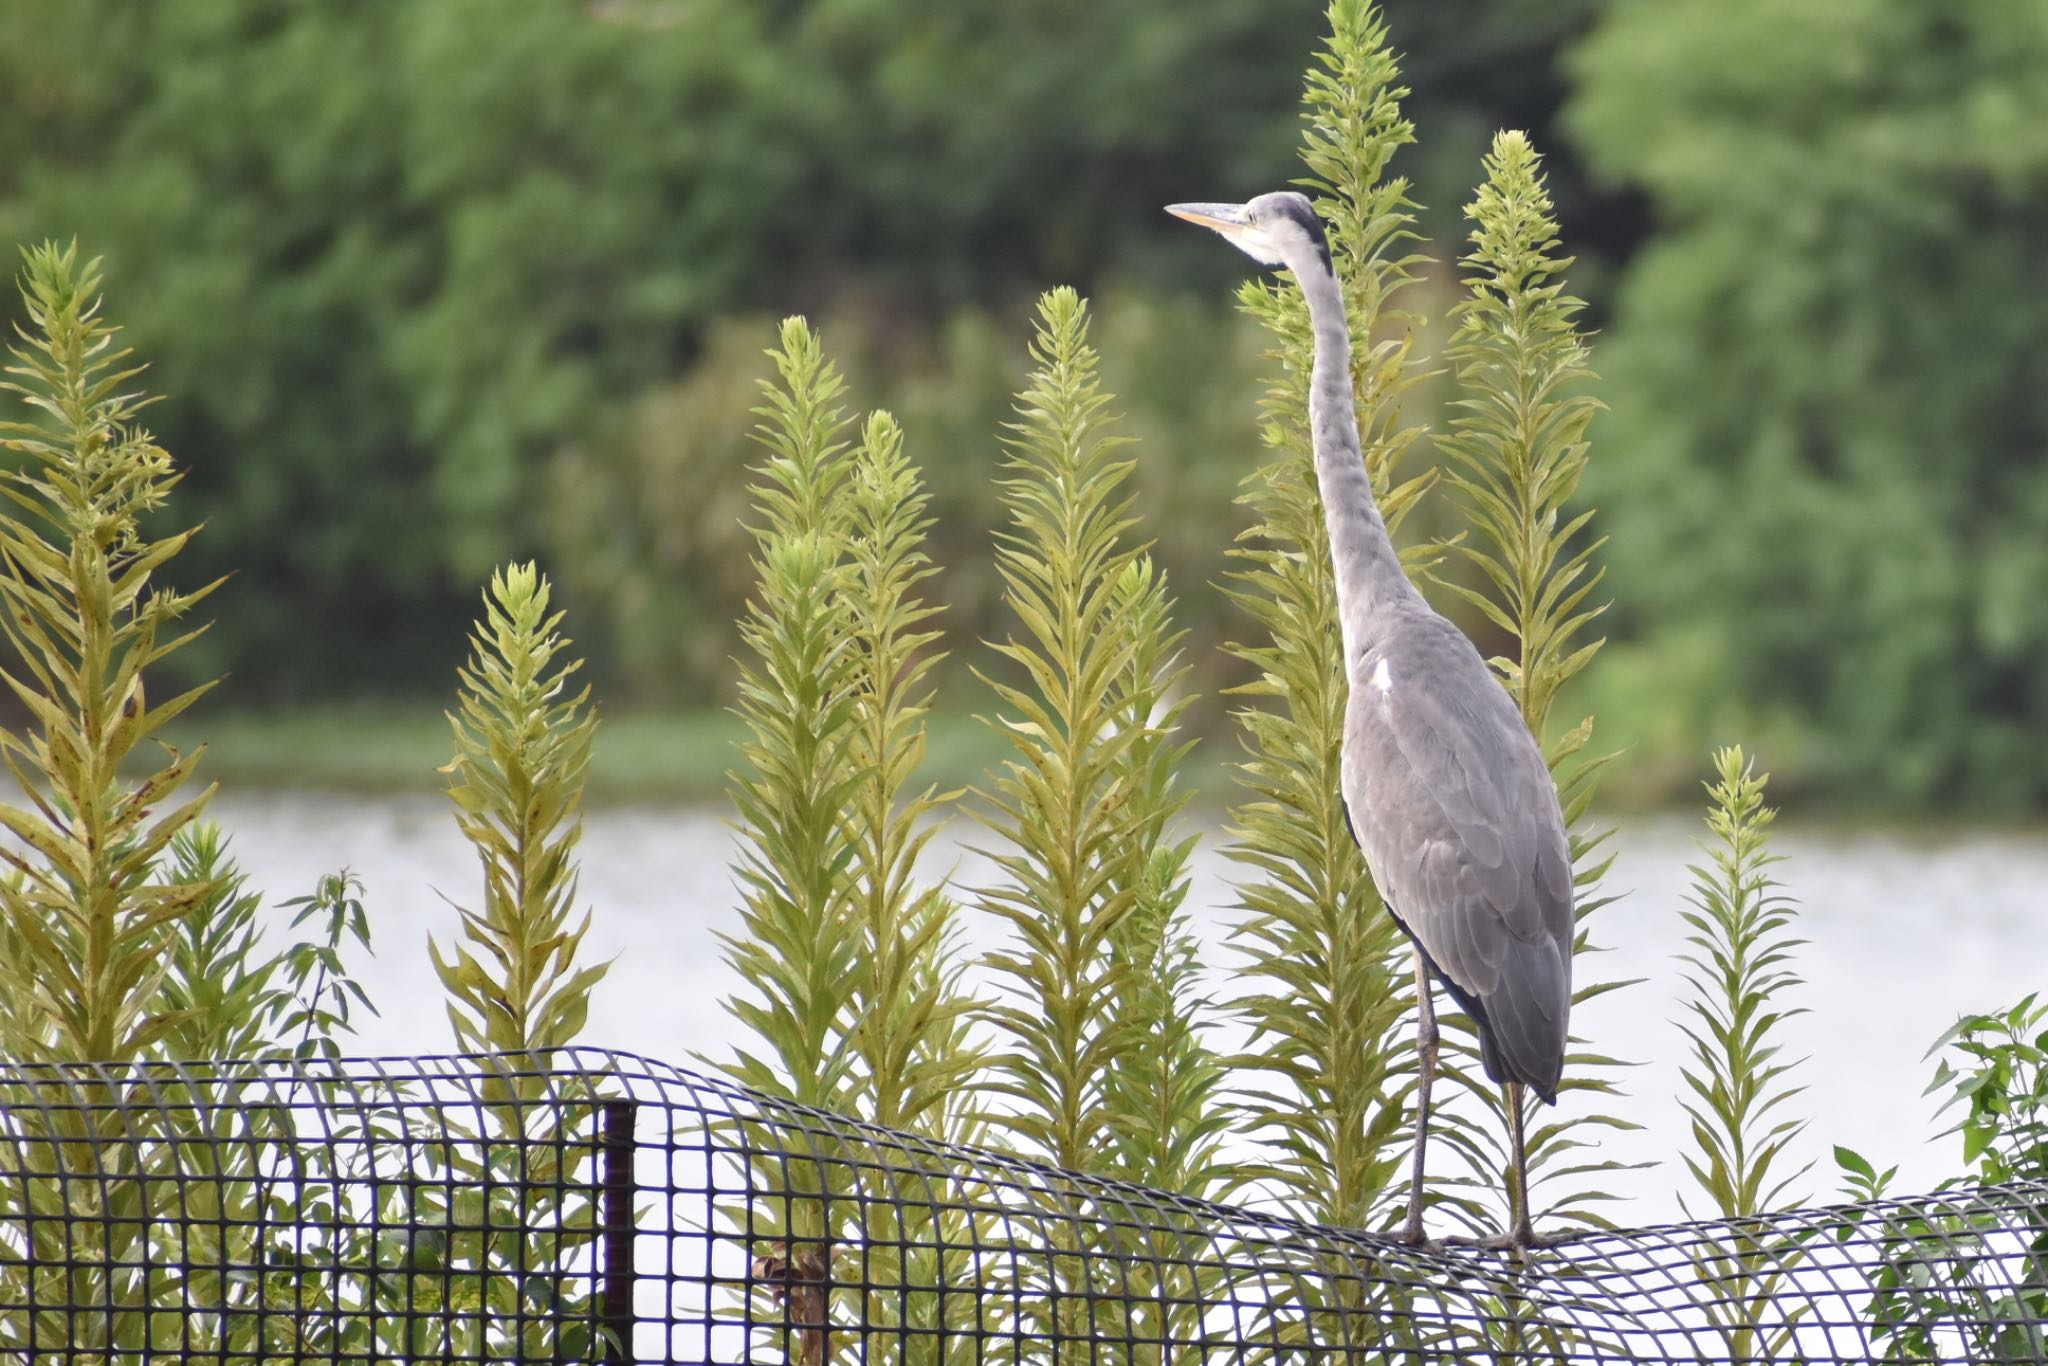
432	286
1829	366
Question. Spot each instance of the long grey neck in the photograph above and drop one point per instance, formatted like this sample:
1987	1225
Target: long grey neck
1369	576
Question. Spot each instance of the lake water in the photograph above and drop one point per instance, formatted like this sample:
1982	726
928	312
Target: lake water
1906	932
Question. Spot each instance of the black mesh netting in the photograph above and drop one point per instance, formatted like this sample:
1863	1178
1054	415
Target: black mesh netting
597	1206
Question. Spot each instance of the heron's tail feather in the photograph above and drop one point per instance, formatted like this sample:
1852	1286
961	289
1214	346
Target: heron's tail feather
1523	1022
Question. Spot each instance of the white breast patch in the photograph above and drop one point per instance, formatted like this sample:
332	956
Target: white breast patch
1382	678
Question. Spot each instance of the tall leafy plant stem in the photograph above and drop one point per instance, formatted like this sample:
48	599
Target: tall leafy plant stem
1515	453
1739	976
94	904
798	775
912	1025
221	989
523	732
1162	1095
854	991
1061	803
91	908
522	756
1739	980
800	948
324	994
912	1030
1330	980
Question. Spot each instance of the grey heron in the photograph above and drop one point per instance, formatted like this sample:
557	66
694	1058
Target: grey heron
1446	790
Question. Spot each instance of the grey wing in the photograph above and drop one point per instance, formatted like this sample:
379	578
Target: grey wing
1459	821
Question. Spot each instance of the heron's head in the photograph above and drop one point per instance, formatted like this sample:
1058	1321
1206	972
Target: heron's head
1279	229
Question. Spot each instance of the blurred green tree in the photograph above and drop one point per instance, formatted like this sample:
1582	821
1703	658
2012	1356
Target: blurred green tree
438	286
395	257
246	210
1829	375
648	519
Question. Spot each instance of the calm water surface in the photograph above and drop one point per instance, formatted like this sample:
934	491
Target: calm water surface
1905	933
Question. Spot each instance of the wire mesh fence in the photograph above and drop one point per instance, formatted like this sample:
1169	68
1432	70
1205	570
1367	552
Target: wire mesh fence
592	1206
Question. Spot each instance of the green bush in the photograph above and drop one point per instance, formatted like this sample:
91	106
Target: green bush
1930	1290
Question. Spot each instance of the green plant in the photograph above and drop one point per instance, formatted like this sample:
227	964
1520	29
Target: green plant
324	994
798	777
1997	1074
853	997
263	1216
522	755
798	950
1331	988
1071	854
90	909
1517	446
911	1017
1738	973
1095	1045
1929	1288
220	990
911	1021
858	999
1515	453
1163	1098
1995	1068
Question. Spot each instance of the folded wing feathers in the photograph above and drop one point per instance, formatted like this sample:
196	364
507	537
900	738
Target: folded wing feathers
1459	821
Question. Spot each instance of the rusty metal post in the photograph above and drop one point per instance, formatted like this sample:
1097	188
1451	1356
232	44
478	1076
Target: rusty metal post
615	1244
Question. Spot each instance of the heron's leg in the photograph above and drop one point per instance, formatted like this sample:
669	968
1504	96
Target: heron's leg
1523	1235
1520	1237
1426	1040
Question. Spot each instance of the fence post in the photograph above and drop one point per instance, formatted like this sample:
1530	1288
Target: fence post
615	1256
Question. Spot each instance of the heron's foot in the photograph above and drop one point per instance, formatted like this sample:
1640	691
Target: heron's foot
1520	1240
1411	1234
